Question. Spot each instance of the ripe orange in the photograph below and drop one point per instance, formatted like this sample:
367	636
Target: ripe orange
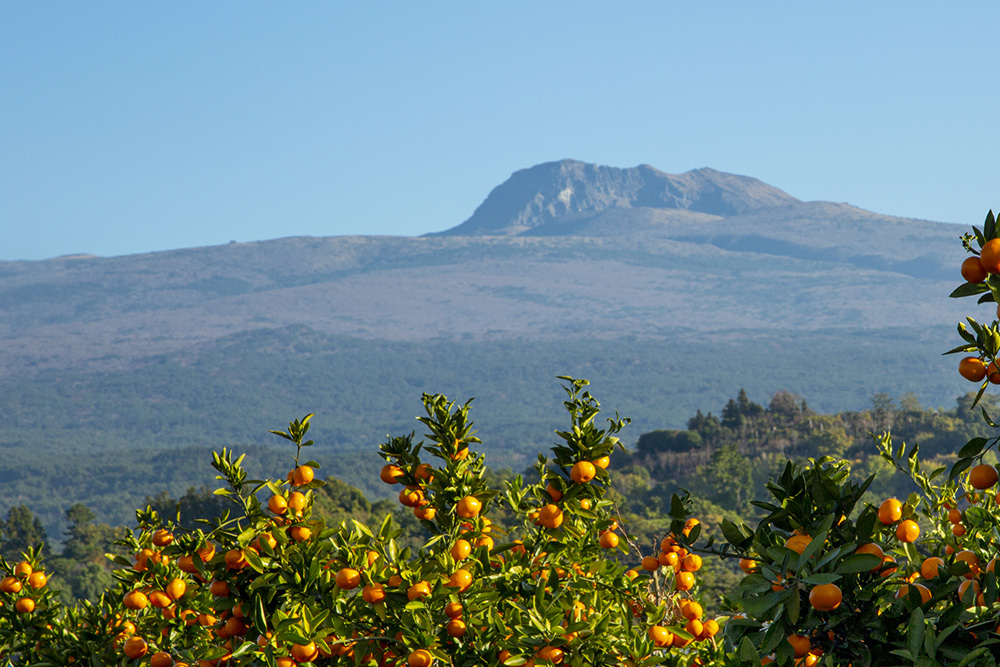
958	530
551	653
609	541
161	659
684	581
748	565
603	462
691	563
37	579
10	585
468	507
586	504
305	652
425	512
455	627
825	597
972	270
25	605
135	648
461	549
460	579
669	559
411	497
970	559
964	586
348	578
424	472
373	594
660	636
419	590
692	610
390	473
650	563
160	599
582	472
235	559
972	369
296	501
890	511
420	658
553	492
219	588
798	543
873	549
23	569
300	533
929	568
954	515
904	591
711	628
163	537
907	531
992	374
302	475
135	600
277	505
800	645
983	476
453	609
989	256
550	516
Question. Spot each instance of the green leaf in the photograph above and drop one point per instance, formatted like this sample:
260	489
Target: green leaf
748	653
987	298
968	289
915	632
972	448
821	578
858	563
990	227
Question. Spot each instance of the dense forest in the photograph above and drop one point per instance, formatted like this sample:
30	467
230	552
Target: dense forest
723	460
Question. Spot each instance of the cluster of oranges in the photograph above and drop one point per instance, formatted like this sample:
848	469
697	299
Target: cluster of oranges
24	585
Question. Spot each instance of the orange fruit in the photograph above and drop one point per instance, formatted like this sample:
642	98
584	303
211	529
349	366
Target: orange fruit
160	599
669	559
300	533
989	256
890	511
135	600
798	543
373	594
302	475
958	530
582	472
603	462
424	472
970	559
161	659
10	585
390	473
135	647
163	537
425	512
800	645
973	271
453	609
748	565
455	627
825	597
609	541
873	549
411	497
23	569
296	501
551	653
460	579
348	578
219	588
277	505
419	590
692	610
586	504
553	492
25	605
691	563
550	516
37	579
964	586
235	559
305	652
983	476
684	581
420	658
650	563
929	568
469	507
954	515
972	369
907	531
904	591
461	549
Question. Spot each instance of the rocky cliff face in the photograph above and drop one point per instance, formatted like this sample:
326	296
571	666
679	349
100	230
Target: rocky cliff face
571	190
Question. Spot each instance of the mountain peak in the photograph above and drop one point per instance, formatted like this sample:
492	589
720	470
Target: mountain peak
569	190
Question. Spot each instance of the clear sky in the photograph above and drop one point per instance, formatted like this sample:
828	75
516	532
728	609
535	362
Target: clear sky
130	127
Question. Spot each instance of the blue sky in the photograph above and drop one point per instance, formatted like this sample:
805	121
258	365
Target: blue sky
138	127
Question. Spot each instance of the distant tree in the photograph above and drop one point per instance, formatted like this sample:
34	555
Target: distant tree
727	479
86	542
909	402
738	412
194	504
883	411
659	441
784	404
21	530
707	426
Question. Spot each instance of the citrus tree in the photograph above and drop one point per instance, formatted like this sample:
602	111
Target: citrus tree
269	583
908	582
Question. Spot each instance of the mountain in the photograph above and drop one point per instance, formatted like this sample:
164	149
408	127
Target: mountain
552	199
669	293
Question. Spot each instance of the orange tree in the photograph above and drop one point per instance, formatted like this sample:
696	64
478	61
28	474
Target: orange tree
270	584
909	582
